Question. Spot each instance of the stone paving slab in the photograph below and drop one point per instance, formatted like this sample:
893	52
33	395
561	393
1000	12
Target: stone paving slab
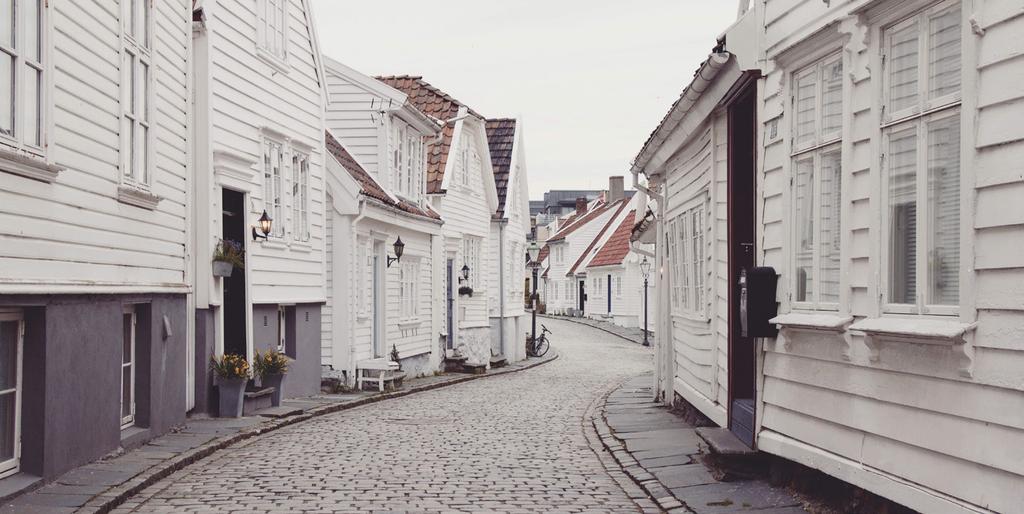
102	485
661	453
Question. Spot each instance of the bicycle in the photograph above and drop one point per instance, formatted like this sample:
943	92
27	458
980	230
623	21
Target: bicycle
540	346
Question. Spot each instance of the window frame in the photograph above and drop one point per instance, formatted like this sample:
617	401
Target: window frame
128	421
300	202
278	60
282	328
409	289
689	281
918	118
136	54
13	465
471	258
16	141
272	183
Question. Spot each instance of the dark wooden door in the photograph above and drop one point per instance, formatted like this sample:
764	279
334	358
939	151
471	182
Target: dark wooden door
742	118
235	305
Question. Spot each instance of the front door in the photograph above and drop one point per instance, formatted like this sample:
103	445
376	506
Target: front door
742	221
609	294
11	335
583	296
450	313
234	304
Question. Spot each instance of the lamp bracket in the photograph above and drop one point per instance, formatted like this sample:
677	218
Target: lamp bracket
256	236
392	260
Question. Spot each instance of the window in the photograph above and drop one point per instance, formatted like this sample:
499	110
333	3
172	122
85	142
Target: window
22	74
273	161
128	323
272	29
136	136
12	333
465	161
816	184
364	260
618	286
407	160
686	242
921	170
300	197
409	289
471	259
282	325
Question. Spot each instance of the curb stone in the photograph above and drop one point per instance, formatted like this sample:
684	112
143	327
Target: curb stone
117	495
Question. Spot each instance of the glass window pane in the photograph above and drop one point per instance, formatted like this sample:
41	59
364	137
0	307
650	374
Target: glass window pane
806	107
32	105
803	204
6	94
126	338
903	65
828	245
944	51
832	99
144	21
129	147
126	391
8	418
8	355
903	216
143	173
944	211
143	92
31	43
7	26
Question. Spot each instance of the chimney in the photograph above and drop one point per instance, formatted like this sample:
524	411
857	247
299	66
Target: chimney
581	205
615	189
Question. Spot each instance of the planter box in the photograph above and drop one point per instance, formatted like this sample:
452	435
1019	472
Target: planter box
275	382
222	269
231	392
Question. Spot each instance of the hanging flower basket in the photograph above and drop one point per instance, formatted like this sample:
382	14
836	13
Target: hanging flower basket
222	269
226	257
466	291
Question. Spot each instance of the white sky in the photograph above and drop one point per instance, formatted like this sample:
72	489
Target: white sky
589	78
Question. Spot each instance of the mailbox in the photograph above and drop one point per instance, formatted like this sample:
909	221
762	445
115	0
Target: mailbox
757	302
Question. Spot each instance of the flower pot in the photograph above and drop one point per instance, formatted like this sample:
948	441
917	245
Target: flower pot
231	393
274	381
222	269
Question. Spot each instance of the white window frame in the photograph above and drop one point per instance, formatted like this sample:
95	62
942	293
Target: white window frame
272	39
136	55
471	258
128	421
282	327
917	118
822	144
618	286
465	157
300	196
364	267
273	185
688	268
12	465
20	60
409	289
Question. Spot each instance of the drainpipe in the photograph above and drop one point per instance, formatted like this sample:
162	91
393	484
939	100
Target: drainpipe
501	284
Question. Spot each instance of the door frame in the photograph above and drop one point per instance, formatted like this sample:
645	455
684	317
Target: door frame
378	290
247	243
129	420
13	465
744	91
450	300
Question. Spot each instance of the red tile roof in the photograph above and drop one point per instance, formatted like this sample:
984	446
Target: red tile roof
583	256
501	135
576	221
617	247
439	105
368	186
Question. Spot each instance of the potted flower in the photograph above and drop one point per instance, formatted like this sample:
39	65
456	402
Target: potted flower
232	373
226	257
271	367
466	291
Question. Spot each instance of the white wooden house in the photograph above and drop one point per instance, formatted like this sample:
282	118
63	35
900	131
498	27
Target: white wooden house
94	187
461	187
258	141
510	224
885	194
376	194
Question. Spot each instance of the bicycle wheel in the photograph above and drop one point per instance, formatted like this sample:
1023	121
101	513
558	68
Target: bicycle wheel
541	348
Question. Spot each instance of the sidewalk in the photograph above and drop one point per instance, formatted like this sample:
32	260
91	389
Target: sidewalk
662	453
634	335
99	486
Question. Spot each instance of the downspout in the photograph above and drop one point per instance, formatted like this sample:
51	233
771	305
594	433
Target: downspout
501	284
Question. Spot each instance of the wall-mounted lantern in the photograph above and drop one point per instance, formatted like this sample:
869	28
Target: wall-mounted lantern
399	250
465	273
265	223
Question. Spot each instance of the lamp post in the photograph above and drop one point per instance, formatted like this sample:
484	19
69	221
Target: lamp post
533	252
645	270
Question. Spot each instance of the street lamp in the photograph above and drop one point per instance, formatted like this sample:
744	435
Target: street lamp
265	223
533	253
645	270
399	247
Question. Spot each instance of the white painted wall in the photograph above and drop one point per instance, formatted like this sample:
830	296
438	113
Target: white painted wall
73	235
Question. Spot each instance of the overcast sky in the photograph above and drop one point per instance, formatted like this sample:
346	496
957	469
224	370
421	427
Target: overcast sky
589	78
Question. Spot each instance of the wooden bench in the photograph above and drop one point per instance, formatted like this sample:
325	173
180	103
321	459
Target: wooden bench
381	372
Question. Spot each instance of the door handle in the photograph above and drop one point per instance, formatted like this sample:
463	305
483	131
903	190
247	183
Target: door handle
747	247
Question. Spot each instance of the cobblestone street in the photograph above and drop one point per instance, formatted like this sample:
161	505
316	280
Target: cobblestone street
512	443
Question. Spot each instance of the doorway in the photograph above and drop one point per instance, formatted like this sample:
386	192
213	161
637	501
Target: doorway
609	294
235	304
12	333
450	299
378	301
742	119
583	296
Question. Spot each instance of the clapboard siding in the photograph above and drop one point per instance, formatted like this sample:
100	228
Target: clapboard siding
74	232
247	95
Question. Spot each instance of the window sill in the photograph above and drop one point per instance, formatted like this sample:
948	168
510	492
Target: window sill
410	324
301	246
29	166
138	197
952	333
279	64
274	244
813	322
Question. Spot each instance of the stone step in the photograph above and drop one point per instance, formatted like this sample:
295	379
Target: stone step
498	361
256	400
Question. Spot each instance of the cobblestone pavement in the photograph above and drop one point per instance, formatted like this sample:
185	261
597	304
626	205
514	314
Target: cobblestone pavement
511	443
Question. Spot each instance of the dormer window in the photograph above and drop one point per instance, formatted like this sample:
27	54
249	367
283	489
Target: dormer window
272	32
407	160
